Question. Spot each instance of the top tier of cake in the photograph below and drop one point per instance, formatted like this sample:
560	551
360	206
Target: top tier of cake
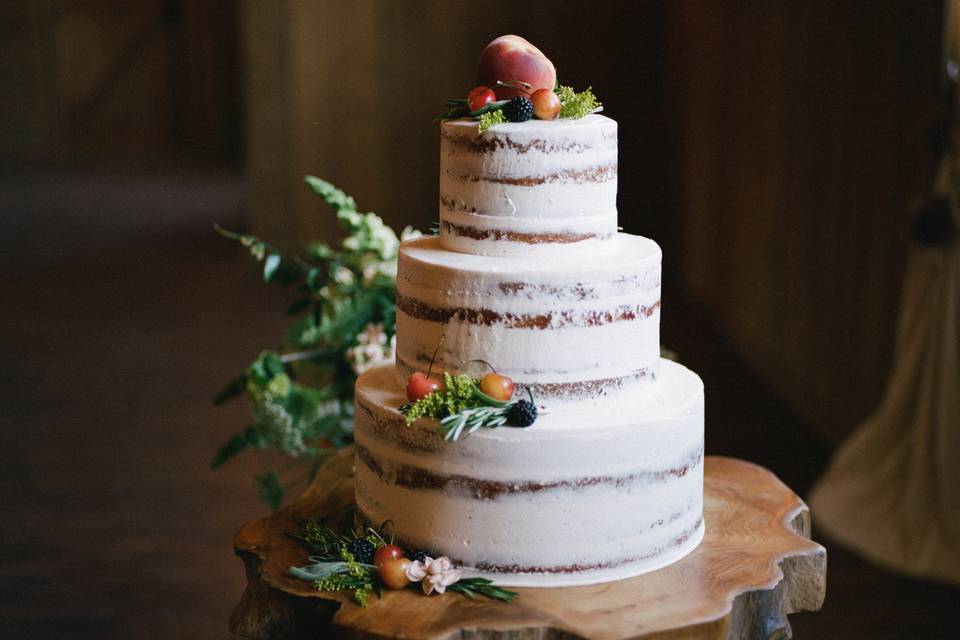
531	188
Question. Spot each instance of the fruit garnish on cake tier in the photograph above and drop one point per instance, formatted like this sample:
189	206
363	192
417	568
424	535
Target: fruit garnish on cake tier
516	82
463	404
364	560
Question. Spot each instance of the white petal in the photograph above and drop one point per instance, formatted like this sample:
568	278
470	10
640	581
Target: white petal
450	577
415	571
427	587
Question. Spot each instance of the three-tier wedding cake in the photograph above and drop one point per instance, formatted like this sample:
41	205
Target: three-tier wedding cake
530	276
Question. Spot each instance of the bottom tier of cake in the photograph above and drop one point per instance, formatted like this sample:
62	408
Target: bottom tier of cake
580	497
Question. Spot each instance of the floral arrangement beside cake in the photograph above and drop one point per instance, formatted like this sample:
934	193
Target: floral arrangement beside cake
527	432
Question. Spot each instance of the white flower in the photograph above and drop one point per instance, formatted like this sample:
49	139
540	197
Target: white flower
409	233
415	571
369	273
343	276
373	348
435	574
386	242
386	268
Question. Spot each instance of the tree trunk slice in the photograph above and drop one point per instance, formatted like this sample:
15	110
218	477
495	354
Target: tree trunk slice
756	564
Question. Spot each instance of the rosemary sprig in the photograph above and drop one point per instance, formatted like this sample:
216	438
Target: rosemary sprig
323	569
472	587
324	542
458	108
468	421
347	575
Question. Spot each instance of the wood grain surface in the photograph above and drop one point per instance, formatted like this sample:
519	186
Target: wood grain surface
755	565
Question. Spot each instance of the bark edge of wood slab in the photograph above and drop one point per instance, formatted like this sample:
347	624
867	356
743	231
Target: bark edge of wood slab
756	564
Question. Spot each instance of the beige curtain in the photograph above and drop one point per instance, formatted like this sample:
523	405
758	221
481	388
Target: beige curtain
892	491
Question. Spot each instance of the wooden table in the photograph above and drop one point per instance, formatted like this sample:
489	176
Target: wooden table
755	565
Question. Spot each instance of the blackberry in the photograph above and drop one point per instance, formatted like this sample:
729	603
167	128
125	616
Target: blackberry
362	550
522	414
419	555
519	109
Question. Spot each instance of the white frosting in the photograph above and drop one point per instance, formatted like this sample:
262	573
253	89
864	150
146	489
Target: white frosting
630	515
603	316
586	236
544	178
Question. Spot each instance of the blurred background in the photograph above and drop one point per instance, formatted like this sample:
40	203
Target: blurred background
775	151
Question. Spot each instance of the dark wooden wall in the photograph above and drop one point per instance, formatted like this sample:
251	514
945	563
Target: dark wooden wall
117	79
802	147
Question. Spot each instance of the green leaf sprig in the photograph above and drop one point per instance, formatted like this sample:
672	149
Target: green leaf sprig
460	425
457	108
577	105
340	575
491	118
333	567
301	394
457	394
472	587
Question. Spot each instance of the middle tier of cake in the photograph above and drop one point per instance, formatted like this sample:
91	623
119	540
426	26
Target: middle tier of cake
572	329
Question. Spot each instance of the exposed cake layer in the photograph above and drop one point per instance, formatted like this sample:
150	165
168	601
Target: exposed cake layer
573	329
532	187
580	497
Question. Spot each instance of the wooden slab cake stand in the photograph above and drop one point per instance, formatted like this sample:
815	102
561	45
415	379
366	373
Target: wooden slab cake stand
755	565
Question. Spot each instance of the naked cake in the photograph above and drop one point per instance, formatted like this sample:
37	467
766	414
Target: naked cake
530	277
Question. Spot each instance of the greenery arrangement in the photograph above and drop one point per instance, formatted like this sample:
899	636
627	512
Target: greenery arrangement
333	567
462	408
577	105
572	104
491	118
343	314
356	561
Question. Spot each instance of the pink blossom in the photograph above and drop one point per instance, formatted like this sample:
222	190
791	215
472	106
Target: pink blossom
435	574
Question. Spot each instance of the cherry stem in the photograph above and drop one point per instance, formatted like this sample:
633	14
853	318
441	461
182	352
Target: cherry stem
435	352
510	84
486	363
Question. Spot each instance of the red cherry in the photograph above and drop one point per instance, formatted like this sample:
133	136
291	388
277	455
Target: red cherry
546	104
393	574
387	551
479	97
497	386
420	386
